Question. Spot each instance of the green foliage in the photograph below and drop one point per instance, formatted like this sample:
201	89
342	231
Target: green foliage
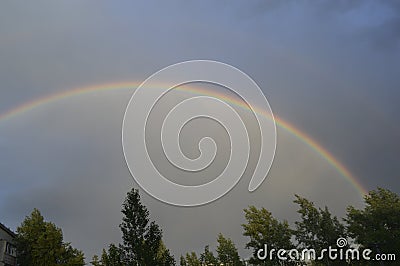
164	256
207	257
317	228
227	251
112	257
141	238
192	260
95	261
377	226
71	256
182	261
41	243
263	228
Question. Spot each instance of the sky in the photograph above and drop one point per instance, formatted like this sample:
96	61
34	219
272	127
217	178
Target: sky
329	69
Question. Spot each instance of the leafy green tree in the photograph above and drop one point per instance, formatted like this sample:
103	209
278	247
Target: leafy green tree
141	238
95	261
227	251
112	257
207	257
41	243
182	261
317	228
71	256
263	228
104	257
377	226
192	260
164	256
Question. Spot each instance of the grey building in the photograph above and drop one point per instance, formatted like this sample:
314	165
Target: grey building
8	252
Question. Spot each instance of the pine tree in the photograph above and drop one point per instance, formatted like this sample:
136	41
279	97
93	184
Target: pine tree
141	238
208	258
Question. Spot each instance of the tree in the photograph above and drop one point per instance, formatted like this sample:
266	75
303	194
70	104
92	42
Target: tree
95	261
164	256
317	229
182	261
141	238
227	251
41	243
263	228
112	257
71	256
208	257
377	226
192	260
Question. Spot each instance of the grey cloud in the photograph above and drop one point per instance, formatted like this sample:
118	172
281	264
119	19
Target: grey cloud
335	80
84	191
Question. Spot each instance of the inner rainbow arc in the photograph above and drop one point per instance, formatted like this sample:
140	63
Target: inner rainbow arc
313	144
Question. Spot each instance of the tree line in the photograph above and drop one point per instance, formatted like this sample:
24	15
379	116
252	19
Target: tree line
375	227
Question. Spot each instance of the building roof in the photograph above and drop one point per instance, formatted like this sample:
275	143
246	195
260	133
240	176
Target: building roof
8	230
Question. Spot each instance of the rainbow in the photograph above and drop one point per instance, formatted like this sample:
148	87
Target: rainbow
313	144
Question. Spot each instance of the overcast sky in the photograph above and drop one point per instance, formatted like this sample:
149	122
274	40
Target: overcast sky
330	68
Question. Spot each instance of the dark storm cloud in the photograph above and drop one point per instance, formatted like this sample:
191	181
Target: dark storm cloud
381	26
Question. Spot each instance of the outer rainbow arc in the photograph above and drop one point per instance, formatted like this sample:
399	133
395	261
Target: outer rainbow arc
314	145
